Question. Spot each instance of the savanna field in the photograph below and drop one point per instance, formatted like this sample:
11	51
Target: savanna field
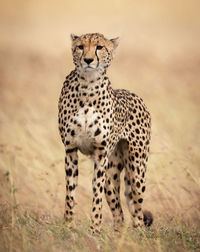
158	58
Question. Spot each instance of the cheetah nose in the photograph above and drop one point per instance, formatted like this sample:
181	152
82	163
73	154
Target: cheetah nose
88	60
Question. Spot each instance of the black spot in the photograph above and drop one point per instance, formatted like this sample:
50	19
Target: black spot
72	133
75	162
132	167
109	193
96	216
143	188
103	143
69	205
97	132
115	176
69	172
138	184
137	131
81	104
77	88
119	166
71	150
99	174
76	173
140	200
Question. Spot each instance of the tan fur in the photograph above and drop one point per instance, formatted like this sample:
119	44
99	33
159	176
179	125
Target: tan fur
112	126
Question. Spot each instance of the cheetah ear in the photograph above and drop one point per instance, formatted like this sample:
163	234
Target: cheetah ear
115	42
74	37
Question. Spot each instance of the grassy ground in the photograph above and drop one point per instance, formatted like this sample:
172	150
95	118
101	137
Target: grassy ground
32	232
158	58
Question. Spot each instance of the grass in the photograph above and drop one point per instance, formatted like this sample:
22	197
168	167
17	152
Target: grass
31	232
26	230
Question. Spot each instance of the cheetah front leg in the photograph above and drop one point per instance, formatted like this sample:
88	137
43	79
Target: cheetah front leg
98	182
71	170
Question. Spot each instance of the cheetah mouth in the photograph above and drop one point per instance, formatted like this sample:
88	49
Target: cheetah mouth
90	68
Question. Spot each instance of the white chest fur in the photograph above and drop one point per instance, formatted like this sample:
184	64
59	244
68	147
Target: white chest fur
88	121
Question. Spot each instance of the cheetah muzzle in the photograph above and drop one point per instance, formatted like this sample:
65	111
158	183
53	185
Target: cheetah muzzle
112	126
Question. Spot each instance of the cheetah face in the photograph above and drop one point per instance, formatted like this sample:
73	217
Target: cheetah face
92	53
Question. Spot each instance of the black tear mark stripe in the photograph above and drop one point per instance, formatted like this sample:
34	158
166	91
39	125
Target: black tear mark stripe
97	57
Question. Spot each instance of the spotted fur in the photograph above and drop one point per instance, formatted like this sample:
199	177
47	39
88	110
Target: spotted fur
112	126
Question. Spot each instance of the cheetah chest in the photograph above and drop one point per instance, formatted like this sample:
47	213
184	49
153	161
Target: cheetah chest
89	129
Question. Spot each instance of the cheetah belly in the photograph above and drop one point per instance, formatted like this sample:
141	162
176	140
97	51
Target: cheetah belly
84	138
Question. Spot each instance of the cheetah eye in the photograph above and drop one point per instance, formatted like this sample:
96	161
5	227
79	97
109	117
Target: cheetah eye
80	47
99	47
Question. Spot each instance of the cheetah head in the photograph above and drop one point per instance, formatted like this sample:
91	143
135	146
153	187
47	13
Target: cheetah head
92	54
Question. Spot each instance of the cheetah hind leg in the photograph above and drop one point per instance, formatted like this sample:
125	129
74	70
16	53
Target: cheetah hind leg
112	187
134	190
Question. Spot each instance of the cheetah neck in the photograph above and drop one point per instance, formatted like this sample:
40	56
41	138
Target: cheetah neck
90	82
92	90
90	76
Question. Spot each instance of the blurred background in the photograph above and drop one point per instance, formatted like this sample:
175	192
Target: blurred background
158	58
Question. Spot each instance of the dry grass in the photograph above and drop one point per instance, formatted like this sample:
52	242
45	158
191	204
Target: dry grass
158	58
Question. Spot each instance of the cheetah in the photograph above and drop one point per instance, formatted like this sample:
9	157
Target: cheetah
111	126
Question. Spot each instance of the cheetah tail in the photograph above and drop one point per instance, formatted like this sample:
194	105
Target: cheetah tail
148	218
